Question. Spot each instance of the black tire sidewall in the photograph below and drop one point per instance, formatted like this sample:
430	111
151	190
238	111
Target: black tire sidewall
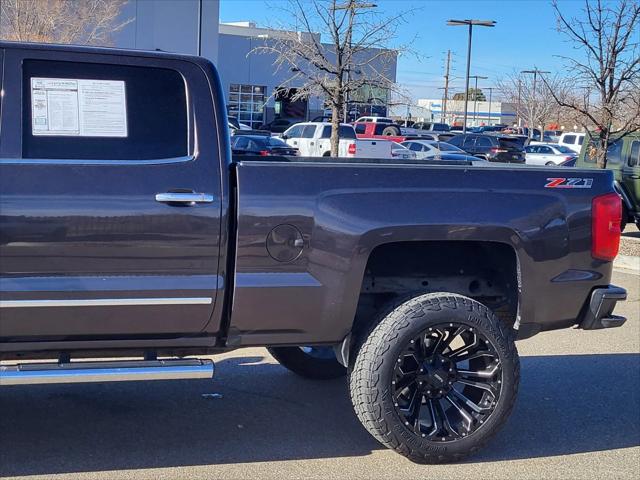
488	325
304	365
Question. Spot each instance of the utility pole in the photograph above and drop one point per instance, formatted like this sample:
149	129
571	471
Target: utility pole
490	95
475	97
446	88
518	107
535	73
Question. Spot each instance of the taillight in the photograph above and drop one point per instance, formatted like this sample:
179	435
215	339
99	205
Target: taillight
499	150
568	157
352	149
263	153
606	214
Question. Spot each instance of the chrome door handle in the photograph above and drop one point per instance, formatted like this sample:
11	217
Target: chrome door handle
186	197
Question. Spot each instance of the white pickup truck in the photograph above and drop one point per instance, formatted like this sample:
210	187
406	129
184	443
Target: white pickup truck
313	139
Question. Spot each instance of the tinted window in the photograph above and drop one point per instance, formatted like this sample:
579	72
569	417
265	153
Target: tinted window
569	139
294	132
469	142
326	131
239	142
360	128
155	105
457	140
614	152
580	140
276	142
634	158
379	128
346	132
563	149
546	150
308	131
531	149
483	142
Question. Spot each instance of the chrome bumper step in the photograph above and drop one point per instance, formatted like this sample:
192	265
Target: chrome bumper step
112	371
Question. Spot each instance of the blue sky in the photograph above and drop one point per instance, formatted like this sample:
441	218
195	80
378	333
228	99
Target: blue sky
525	36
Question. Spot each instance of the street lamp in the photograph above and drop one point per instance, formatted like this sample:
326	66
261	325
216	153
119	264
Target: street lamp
475	97
470	23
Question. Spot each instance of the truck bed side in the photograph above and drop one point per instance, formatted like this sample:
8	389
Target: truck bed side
340	213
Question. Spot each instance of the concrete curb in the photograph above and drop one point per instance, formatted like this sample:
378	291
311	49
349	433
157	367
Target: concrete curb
627	262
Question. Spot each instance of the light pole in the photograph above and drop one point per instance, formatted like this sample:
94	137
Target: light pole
490	95
475	97
470	23
535	73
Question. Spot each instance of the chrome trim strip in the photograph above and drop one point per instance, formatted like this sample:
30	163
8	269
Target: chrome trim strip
57	161
104	302
276	280
130	283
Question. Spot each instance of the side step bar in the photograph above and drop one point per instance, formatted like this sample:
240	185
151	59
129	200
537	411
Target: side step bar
115	371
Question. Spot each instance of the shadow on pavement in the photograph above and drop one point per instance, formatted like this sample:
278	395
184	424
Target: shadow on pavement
567	404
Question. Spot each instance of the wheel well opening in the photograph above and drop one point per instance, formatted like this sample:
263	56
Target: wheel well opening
484	271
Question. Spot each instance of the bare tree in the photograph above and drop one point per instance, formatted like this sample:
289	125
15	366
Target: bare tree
353	58
608	69
533	100
89	22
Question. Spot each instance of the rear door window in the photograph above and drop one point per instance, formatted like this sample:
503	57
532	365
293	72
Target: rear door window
483	142
634	157
515	143
469	142
294	132
73	110
379	128
308	131
361	128
569	139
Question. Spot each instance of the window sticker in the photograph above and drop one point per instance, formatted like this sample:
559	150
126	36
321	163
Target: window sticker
78	108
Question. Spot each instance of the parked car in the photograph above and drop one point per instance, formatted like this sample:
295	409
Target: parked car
392	132
487	128
547	154
150	244
431	148
399	151
279	125
375	119
494	148
623	159
572	140
234	124
437	127
261	145
313	139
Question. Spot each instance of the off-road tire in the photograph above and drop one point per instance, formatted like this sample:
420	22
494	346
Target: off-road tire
391	131
307	366
370	378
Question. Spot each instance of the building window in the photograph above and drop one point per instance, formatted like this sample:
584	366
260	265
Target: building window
246	103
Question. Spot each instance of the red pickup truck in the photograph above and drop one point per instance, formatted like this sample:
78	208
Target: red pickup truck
386	131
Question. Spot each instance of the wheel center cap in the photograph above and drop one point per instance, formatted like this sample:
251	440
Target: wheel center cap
437	372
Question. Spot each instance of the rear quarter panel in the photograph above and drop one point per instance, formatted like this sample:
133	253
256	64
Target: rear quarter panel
344	211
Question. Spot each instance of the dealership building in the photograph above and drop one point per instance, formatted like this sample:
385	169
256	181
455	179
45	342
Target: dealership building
252	84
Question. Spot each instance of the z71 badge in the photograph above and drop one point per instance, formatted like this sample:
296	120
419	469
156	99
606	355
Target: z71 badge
569	183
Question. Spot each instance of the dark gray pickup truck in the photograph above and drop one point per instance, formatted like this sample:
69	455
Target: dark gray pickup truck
127	231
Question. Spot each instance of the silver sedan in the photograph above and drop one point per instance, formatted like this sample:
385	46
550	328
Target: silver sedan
547	154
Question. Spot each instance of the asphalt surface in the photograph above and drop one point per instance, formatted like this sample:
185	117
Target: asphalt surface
577	416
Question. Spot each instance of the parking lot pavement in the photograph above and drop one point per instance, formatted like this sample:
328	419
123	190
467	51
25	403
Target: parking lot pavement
577	416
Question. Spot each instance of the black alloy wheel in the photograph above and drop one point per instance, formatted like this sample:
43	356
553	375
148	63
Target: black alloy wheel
447	382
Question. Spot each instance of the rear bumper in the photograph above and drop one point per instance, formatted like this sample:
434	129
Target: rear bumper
599	312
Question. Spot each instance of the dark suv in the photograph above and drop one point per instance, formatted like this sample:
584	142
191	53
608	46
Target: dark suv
494	148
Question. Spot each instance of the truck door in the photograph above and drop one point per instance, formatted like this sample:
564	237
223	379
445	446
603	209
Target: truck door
110	209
